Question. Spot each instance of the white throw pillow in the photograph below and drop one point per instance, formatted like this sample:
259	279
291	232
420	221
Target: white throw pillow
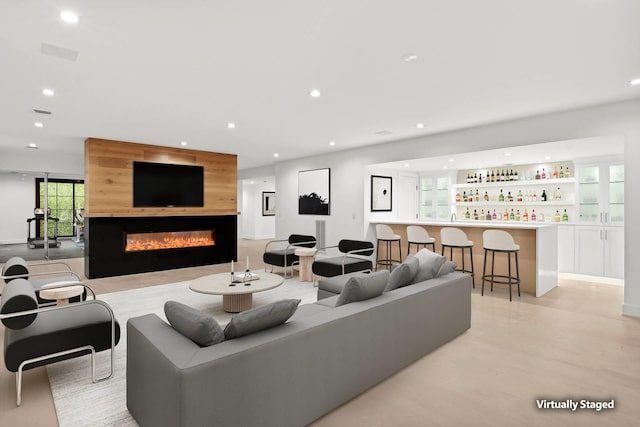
429	264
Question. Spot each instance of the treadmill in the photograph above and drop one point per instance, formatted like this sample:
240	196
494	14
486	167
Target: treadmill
38	242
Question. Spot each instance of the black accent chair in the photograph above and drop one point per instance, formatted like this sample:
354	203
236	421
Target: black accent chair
40	274
286	257
352	258
37	335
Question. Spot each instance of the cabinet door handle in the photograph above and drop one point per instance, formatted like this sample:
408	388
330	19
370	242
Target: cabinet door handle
606	217
606	234
600	234
600	216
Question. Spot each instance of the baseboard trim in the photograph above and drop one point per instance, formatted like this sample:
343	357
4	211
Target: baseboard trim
264	237
631	310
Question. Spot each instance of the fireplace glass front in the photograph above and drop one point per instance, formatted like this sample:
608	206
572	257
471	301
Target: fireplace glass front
152	241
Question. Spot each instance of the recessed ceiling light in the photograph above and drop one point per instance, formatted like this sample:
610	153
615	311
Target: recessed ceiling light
445	167
38	124
420	125
231	125
406	165
332	143
276	154
69	17
32	145
410	57
452	160
507	154
547	157
635	82
183	143
48	92
252	182
315	93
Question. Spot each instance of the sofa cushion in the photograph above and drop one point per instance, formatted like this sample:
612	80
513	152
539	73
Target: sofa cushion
261	317
328	302
363	288
335	284
199	327
18	295
429	264
447	267
403	274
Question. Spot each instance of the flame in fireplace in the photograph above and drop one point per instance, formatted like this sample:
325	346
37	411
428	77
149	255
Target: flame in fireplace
168	240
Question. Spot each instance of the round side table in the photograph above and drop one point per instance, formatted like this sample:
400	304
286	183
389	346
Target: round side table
306	256
61	295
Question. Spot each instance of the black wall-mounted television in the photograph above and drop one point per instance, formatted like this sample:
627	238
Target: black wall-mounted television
165	185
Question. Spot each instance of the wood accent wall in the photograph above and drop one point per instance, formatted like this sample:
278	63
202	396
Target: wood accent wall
109	179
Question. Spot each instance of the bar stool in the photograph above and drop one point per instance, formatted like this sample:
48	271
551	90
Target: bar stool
499	241
385	234
419	236
454	238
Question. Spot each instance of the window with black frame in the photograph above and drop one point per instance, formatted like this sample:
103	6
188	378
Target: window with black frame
66	198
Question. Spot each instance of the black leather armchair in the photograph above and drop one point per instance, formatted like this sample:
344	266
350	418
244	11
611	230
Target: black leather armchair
352	258
38	335
286	257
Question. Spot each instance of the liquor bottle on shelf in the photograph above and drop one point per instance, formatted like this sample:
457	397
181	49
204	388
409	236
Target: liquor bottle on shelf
533	214
534	197
538	174
477	199
525	215
502	177
494	216
561	173
501	196
555	172
458	198
566	172
475	214
558	194
518	215
486	196
565	216
512	216
488	216
543	197
488	178
519	196
543	175
509	197
482	214
467	214
556	217
507	177
475	178
464	196
480	178
515	176
493	177
505	215
468	178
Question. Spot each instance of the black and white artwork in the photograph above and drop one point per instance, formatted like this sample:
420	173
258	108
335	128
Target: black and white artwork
380	193
268	203
313	192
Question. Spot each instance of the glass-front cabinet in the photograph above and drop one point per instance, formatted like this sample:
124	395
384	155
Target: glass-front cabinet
434	197
601	194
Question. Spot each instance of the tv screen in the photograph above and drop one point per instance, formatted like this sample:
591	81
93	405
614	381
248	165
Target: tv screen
165	185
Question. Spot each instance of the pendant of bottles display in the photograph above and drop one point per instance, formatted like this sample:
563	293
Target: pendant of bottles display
502	175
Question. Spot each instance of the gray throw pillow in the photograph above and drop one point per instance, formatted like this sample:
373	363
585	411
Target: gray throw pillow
414	265
199	327
261	317
363	287
447	267
429	265
399	277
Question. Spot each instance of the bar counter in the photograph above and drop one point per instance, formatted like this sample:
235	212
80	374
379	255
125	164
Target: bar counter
538	256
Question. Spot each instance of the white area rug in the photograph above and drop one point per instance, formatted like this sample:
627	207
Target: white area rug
79	402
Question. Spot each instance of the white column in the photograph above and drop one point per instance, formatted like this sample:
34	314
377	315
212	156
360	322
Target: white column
631	304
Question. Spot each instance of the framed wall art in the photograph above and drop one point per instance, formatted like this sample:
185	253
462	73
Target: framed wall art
268	203
314	192
381	193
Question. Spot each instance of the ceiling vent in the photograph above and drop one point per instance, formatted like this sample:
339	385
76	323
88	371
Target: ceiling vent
59	52
41	111
384	132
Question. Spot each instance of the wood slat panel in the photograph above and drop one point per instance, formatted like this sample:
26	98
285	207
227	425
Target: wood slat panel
109	178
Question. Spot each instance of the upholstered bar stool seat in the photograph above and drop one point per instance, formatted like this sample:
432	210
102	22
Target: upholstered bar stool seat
419	236
502	242
455	238
385	234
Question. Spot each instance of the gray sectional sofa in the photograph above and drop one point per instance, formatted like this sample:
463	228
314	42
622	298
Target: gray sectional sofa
294	373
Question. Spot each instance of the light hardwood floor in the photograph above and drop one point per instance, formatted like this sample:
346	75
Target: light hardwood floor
573	343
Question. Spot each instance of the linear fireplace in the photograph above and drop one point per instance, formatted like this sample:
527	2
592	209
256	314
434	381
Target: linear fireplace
116	246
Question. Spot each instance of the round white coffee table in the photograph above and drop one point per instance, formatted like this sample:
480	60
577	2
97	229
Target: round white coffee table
306	256
61	294
236	297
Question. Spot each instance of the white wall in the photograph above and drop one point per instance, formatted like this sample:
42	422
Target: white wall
348	168
254	225
42	160
19	196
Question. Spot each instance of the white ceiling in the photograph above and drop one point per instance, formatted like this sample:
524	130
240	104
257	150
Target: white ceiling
166	71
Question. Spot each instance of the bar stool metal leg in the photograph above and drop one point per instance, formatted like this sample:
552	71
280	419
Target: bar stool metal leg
473	274
493	262
509	264
484	272
517	273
